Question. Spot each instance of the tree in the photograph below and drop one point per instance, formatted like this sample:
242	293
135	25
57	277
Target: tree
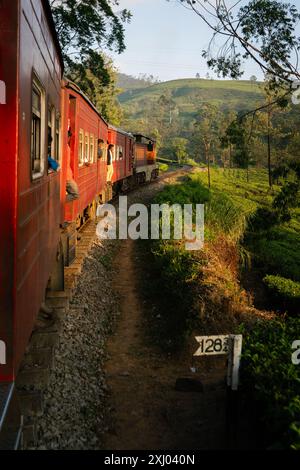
179	149
261	30
272	95
253	79
236	136
105	97
288	198
84	28
207	133
198	75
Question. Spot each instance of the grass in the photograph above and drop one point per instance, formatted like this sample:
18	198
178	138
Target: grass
275	248
184	276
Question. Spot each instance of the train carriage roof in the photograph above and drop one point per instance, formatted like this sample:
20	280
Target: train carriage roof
72	86
120	131
139	137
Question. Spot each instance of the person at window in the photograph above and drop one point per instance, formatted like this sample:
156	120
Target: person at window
72	187
87	161
110	167
150	146
100	150
52	163
120	155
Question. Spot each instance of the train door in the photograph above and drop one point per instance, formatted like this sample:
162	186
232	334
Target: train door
72	173
72	134
101	163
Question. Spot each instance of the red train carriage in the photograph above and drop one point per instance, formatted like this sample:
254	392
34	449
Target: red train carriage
30	74
122	157
145	166
86	126
82	128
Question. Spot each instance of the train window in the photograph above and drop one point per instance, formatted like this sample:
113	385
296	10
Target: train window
92	148
80	148
150	146
120	153
51	131
86	149
37	130
57	139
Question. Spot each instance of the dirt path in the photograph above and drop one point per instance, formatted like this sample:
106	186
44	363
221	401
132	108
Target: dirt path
148	413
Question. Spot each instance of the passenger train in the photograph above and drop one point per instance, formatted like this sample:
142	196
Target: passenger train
43	115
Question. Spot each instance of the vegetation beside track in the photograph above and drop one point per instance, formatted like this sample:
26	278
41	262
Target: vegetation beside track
205	294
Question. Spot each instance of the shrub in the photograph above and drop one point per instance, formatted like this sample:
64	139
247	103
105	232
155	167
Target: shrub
272	380
263	219
285	288
285	291
163	167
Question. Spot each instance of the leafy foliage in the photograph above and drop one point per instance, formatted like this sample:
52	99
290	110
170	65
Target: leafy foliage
85	28
285	292
270	377
104	96
260	30
283	288
288	197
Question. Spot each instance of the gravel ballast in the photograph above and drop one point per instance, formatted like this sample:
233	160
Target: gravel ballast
73	417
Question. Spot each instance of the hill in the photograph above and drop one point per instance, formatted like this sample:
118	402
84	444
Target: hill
189	93
127	82
168	111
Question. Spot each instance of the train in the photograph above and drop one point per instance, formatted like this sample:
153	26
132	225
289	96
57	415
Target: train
49	131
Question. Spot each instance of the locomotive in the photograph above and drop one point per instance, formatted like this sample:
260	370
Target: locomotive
44	115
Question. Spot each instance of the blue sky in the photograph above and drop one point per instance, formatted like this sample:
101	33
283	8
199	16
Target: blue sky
166	40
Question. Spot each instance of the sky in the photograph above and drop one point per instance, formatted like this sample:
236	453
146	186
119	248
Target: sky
166	40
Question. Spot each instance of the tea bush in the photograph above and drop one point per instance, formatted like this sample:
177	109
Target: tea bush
272	380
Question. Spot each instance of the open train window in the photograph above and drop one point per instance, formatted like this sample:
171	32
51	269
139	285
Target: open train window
80	148
92	148
86	149
150	146
57	138
37	130
51	131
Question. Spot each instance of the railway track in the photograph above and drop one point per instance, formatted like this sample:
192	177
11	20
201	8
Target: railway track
38	362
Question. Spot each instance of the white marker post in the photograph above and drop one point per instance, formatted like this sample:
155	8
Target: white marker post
230	345
2	92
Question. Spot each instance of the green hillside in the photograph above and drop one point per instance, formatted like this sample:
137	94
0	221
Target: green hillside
189	93
168	111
